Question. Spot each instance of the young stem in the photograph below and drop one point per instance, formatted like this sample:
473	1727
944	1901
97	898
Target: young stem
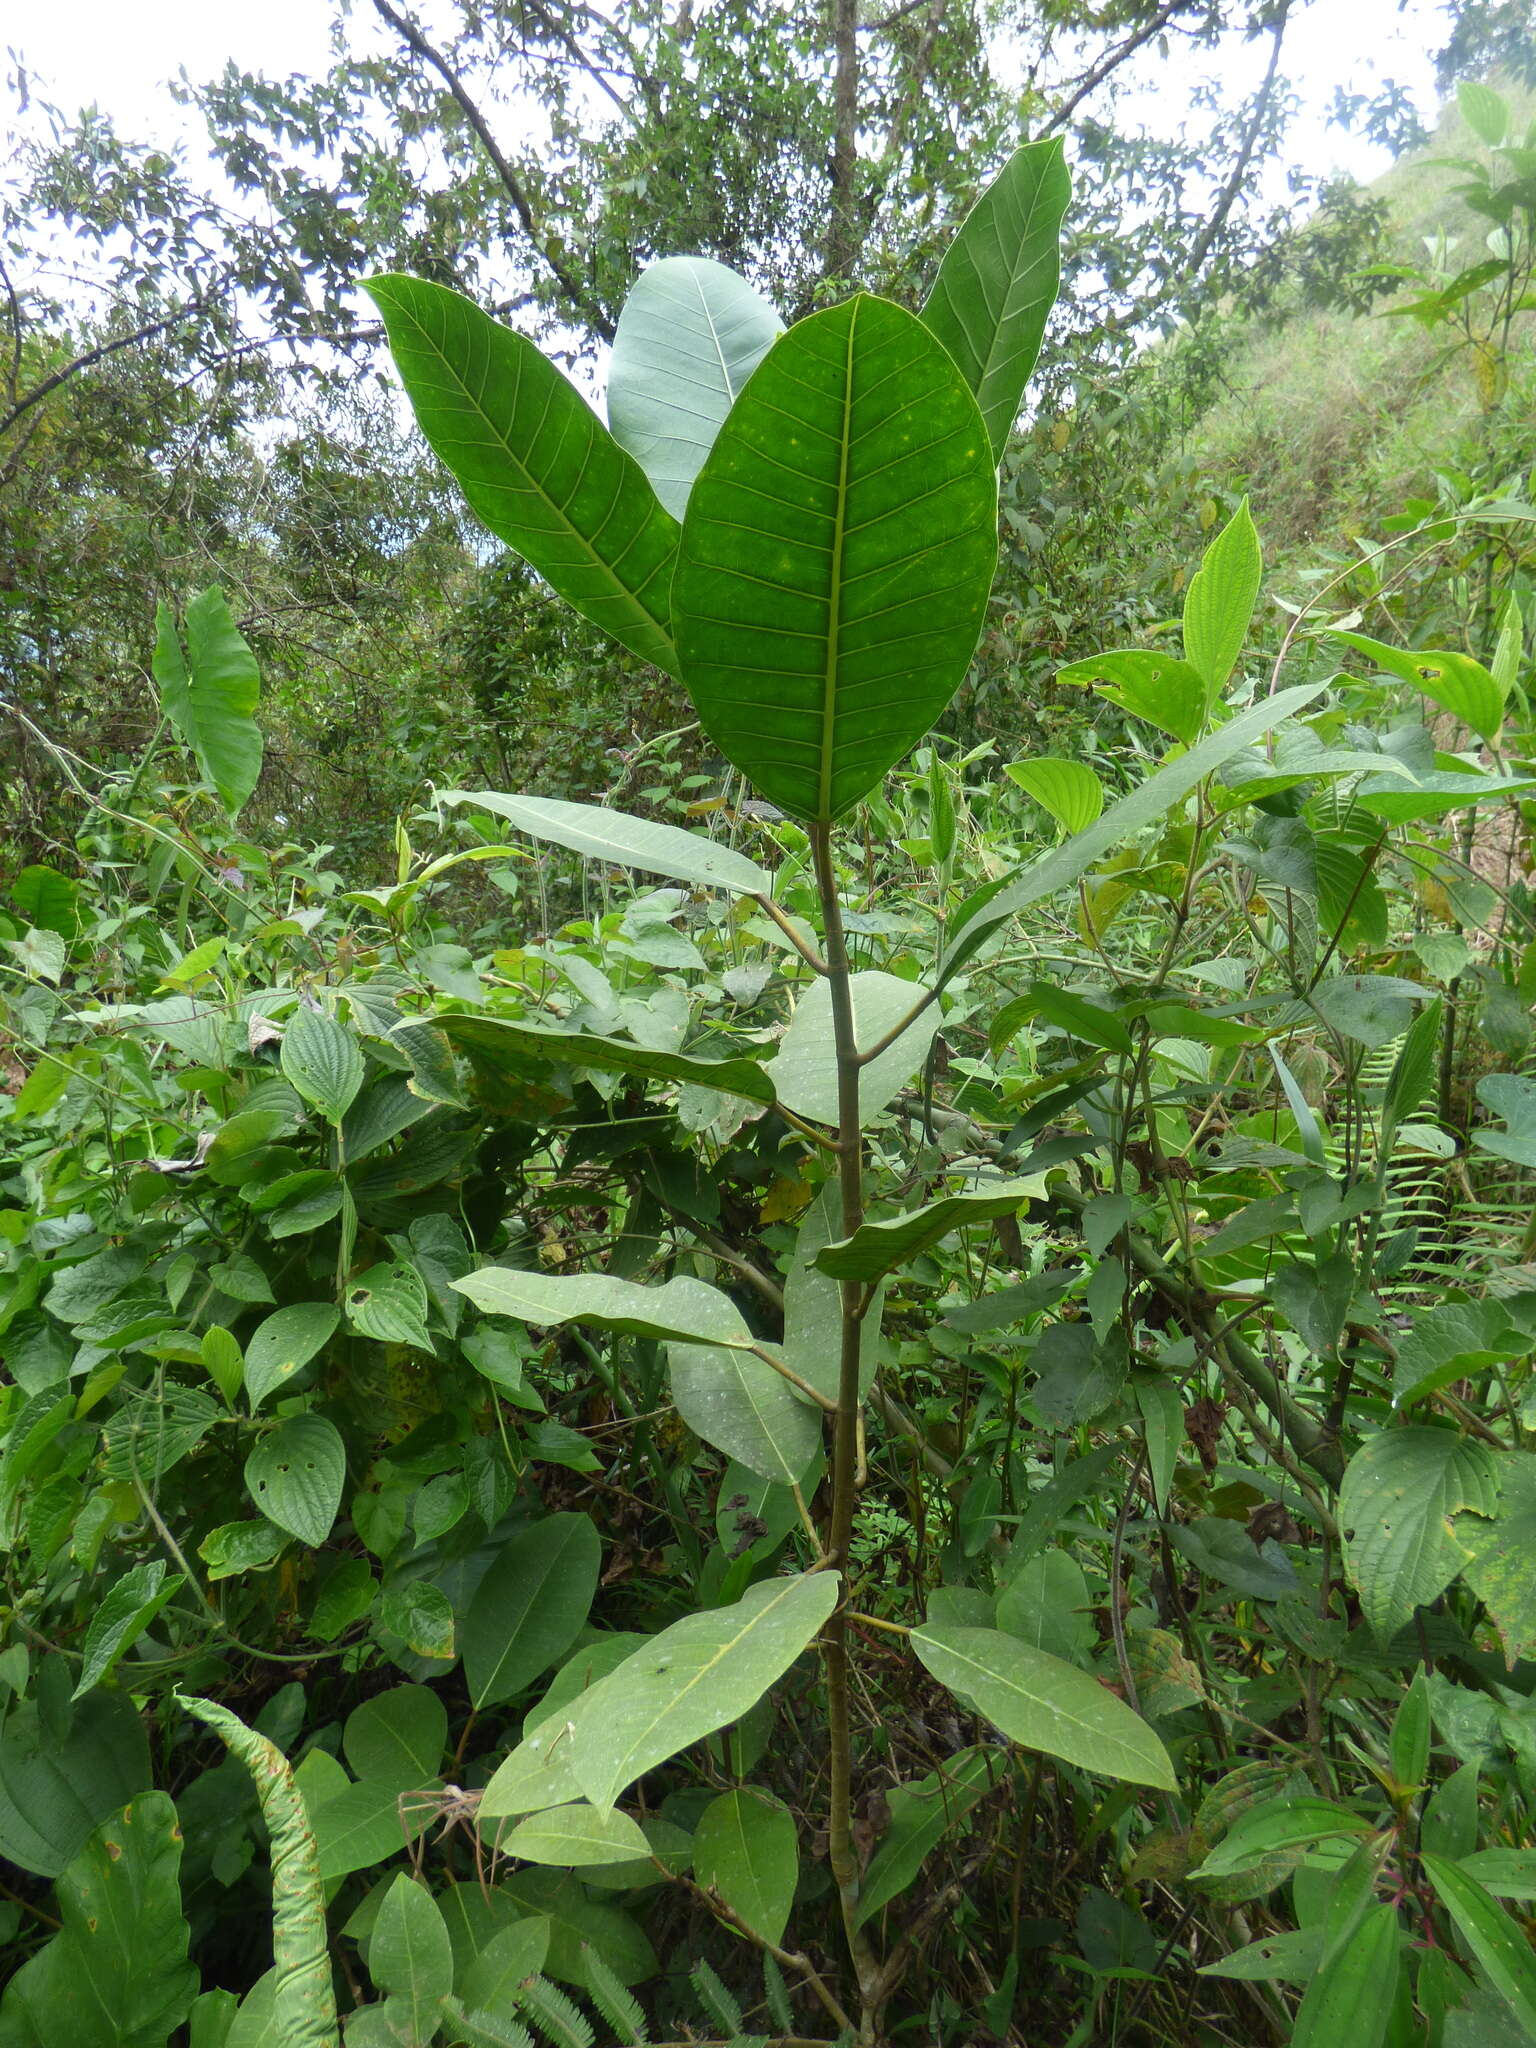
845	1440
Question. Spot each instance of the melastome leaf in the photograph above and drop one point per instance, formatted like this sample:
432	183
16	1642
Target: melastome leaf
690	335
535	462
837	556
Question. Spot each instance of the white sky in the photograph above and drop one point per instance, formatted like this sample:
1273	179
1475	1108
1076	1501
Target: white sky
117	53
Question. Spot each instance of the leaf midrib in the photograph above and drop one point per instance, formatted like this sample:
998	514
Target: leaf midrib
834	594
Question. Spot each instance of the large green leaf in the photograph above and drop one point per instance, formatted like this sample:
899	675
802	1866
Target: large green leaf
805	1068
878	1248
696	1676
1045	1704
688	1310
122	1617
294	1474
117	1974
1500	1946
284	1343
572	1837
209	692
56	1789
1455	682
1501	1561
530	1606
323	1061
743	1407
837	556
1222	595
397	1738
410	1959
998	281
1069	790
746	1848
690	335
1172	782
1400	1493
602	834
500	1045
1167	692
922	1814
1351	1999
535	462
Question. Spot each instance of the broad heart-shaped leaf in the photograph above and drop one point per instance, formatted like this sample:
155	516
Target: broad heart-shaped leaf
683	1308
1401	1491
1512	1097
696	1676
285	1342
1069	790
295	1476
1043	1703
54	1792
743	1407
209	692
690	335
535	462
837	556
602	834
502	1045
1455	682
1501	1566
530	1606
879	1248
1160	688
117	1974
1500	1946
1219	605
992	906
323	1061
572	1837
746	1848
122	1617
805	1070
998	281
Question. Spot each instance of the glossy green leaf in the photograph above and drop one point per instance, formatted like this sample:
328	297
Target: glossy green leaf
573	1837
286	1342
294	1474
1506	1873
813	1304
496	1967
998	281
1278	1958
1218	607
1044	1704
365	1824
738	1403
1352	1997
1069	790
1500	1946
389	1304
323	1061
879	1248
1400	1492
535	462
397	1738
1459	1339
690	335
922	1815
1285	1823
209	691
683	1308
1455	682
411	1961
837	556
116	1624
614	836
746	1848
1165	691
116	1975
56	1789
530	1606
502	1044
805	1069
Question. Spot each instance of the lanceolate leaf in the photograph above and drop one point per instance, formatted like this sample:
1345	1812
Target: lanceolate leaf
530	1606
1496	1940
688	1310
743	1407
535	462
1043	1703
1400	1492
501	1043
998	281
209	692
878	1248
837	556
122	1618
602	834
1222	595
1352	1996
574	1836
690	335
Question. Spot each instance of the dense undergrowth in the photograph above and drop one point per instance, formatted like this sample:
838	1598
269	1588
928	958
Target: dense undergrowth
811	1403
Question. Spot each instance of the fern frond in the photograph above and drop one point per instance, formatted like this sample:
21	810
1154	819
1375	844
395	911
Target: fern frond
483	2029
617	2006
556	2017
776	1992
715	1999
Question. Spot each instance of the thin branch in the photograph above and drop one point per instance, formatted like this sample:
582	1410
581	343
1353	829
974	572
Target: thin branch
89	359
581	303
1110	63
1233	186
840	250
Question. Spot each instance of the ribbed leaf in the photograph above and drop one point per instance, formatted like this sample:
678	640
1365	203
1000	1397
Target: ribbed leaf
1496	1940
743	1407
998	282
878	1248
1401	1491
209	693
1219	607
837	556
1455	682
683	1308
535	462
1069	790
690	335
602	834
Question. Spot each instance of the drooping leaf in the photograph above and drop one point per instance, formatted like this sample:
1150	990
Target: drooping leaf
286	1342
122	1617
738	1403
209	692
690	335
614	836
1219	605
683	1308
998	281
879	1248
323	1061
1401	1491
1500	1946
1045	1704
746	1847
1165	691
805	1069
502	1045
530	1606
295	1473
1455	682
1069	790
411	1961
1501	1556
535	462
1284	1823
837	556
572	1837
389	1304
922	1814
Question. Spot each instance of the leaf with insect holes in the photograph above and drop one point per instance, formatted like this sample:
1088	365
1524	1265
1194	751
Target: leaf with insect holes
323	1061
389	1303
284	1343
295	1476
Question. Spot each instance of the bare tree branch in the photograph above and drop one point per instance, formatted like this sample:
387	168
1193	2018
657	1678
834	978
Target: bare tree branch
840	251
580	301
1218	220
51	383
1111	61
